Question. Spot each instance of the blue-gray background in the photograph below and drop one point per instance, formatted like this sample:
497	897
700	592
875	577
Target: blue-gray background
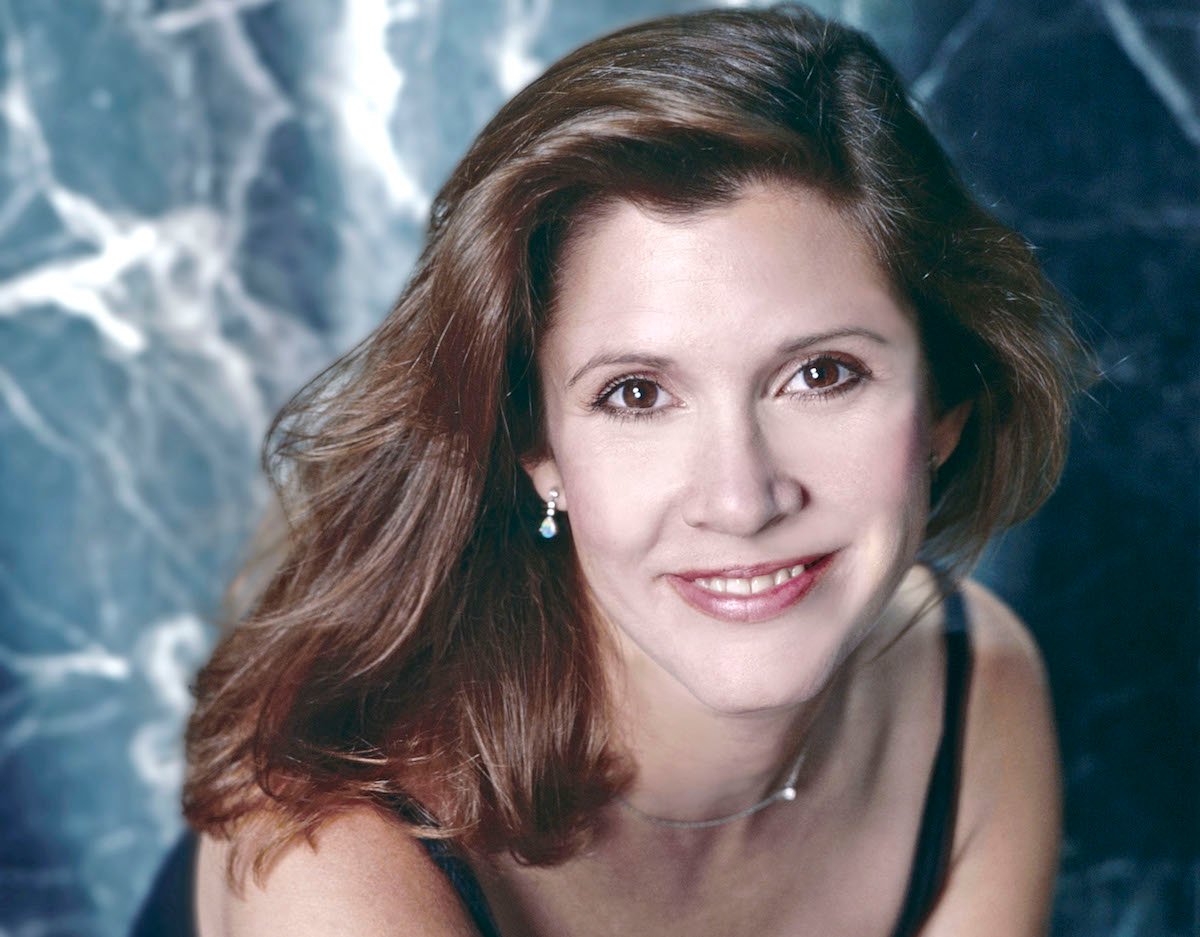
202	201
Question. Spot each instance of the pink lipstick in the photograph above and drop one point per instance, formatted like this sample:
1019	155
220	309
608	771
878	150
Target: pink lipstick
726	594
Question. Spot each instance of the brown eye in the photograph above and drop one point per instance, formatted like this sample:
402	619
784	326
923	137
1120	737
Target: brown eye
637	394
821	373
633	397
825	375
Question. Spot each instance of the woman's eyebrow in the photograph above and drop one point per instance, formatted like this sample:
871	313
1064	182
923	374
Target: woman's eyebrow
659	363
807	341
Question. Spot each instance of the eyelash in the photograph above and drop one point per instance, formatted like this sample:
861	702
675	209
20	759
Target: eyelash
600	401
858	373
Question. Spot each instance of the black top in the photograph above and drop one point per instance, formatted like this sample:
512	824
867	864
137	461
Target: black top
168	909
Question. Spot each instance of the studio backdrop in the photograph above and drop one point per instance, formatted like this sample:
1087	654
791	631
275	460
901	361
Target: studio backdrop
202	202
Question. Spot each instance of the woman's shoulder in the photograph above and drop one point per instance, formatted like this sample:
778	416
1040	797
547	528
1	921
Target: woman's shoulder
1003	651
1010	735
1009	811
1007	700
999	638
362	873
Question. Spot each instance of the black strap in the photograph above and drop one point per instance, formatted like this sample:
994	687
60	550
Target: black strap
465	883
936	836
167	911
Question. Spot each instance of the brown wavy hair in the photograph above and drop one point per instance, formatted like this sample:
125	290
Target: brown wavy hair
418	647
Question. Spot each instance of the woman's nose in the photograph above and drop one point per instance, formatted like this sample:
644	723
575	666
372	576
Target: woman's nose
737	484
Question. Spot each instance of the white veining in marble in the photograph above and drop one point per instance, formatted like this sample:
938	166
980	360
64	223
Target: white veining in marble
925	85
168	654
514	64
361	90
1178	98
207	11
22	410
74	284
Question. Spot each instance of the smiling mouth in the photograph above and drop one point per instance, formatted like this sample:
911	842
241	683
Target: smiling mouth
759	593
720	585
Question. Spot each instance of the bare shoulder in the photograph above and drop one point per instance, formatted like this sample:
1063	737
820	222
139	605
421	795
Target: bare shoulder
1010	747
363	875
998	636
1007	834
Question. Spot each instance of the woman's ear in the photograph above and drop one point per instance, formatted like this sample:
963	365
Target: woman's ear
543	473
947	430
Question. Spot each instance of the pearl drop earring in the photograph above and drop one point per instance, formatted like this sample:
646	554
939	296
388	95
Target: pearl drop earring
549	527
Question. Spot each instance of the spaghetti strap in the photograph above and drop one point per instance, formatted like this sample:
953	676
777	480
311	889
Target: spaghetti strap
465	883
936	836
168	910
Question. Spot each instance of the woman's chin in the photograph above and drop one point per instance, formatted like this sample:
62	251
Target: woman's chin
757	691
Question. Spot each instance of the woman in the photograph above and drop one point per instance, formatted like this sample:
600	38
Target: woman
620	591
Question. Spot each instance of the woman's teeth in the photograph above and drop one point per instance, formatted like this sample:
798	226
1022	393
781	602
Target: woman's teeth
749	586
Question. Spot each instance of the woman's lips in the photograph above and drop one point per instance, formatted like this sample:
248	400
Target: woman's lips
759	606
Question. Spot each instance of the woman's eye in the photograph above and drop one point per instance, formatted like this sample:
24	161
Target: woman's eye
636	393
822	375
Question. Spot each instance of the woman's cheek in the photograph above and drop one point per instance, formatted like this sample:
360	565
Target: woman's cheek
615	489
876	459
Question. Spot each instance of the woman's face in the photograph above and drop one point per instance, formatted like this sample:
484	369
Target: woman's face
739	427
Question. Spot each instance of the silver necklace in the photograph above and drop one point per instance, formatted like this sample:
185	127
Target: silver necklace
787	792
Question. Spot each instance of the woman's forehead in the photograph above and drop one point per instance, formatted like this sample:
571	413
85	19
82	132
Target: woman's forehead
777	257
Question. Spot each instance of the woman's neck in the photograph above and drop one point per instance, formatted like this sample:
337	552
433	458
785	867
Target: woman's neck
697	764
694	764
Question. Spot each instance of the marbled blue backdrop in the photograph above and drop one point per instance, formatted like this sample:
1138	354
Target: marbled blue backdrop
202	201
